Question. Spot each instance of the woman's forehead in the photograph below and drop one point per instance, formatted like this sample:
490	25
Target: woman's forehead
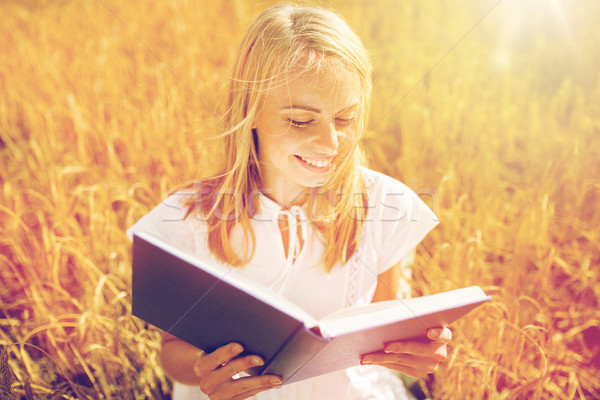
325	88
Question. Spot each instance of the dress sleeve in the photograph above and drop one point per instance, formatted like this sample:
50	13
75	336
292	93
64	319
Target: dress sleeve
402	221
165	220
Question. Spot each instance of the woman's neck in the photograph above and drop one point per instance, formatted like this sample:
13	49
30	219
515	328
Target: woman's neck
286	196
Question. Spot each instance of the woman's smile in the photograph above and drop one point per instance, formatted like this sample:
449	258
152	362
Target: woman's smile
317	164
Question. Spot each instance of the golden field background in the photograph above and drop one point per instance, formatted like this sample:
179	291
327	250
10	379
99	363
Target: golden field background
490	110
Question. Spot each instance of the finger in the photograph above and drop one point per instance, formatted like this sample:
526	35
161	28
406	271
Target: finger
443	335
209	362
383	358
436	350
416	365
236	366
212	382
272	383
245	387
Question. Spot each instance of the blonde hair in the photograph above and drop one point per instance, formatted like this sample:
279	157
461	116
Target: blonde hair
286	39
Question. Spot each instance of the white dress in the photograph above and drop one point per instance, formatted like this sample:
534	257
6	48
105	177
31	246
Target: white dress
397	220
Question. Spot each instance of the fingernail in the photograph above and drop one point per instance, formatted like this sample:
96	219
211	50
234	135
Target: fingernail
257	361
275	381
434	333
367	360
236	349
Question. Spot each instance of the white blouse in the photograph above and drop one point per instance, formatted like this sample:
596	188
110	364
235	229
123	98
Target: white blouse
397	220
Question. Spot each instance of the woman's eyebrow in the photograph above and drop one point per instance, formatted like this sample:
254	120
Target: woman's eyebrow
316	110
307	108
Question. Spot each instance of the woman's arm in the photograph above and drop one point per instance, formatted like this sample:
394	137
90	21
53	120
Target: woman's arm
178	359
412	357
214	372
387	284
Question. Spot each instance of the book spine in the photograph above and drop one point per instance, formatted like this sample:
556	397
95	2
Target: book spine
302	346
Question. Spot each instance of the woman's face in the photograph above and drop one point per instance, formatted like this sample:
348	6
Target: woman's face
303	127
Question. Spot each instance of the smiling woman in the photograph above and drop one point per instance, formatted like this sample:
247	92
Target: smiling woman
284	51
294	208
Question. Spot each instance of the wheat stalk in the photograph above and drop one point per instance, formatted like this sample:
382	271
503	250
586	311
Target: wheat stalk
6	374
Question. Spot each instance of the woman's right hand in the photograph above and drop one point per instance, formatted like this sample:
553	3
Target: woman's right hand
216	371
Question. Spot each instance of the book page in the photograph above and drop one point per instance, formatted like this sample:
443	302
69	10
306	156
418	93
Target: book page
381	313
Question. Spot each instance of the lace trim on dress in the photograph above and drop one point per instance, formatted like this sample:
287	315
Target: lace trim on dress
353	280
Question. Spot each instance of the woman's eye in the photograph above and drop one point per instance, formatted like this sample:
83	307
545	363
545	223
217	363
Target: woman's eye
344	121
299	124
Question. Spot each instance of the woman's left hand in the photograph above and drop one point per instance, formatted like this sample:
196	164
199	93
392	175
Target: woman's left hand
413	357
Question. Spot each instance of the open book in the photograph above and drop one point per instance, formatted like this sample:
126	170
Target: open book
209	305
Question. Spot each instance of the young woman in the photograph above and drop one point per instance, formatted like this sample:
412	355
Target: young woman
294	208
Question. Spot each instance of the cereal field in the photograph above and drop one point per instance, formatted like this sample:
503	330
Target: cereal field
489	109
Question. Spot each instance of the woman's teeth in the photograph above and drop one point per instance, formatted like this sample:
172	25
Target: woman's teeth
316	163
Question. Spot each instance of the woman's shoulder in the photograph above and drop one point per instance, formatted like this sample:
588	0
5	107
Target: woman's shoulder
378	182
169	219
389	199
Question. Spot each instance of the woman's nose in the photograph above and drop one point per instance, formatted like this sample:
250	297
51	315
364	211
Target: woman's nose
327	137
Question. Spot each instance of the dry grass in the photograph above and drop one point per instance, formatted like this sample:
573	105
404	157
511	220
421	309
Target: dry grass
500	137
